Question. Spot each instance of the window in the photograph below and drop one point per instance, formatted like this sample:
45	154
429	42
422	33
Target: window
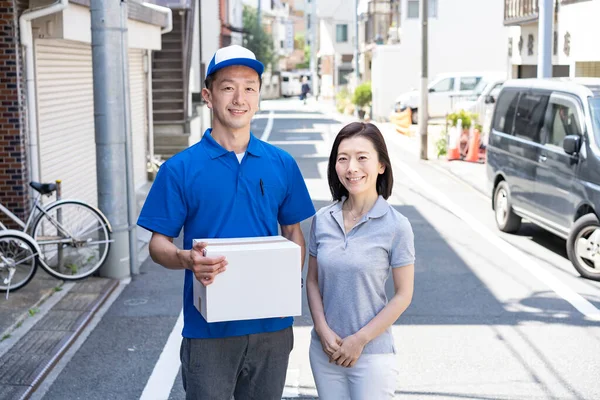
445	85
413	9
564	121
469	82
343	75
530	116
505	111
595	111
341	33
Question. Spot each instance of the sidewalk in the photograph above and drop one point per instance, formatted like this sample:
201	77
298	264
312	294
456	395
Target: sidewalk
39	322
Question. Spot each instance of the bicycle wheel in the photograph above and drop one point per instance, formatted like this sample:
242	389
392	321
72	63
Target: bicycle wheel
74	238
18	262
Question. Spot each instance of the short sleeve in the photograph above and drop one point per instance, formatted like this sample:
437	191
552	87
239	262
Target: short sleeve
164	210
312	239
402	252
297	205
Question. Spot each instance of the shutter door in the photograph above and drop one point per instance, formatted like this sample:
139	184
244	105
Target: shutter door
139	125
65	97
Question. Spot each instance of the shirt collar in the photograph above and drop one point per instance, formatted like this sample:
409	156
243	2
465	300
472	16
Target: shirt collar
380	208
215	150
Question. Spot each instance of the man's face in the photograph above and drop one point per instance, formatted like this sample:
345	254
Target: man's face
234	97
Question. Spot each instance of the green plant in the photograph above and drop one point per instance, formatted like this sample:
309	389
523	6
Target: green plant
466	117
441	145
33	311
256	39
57	289
362	95
7	336
19	324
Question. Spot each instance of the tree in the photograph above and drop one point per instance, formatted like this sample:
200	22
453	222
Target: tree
256	39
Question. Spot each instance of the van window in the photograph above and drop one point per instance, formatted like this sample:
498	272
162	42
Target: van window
564	121
595	107
505	111
530	115
286	79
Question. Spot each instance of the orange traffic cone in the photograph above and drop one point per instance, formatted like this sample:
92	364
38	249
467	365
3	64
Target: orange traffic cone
473	152
453	138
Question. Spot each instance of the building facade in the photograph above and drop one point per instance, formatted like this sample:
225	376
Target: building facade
47	127
575	52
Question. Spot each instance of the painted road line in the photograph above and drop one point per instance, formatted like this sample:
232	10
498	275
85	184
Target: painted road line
268	128
166	369
520	258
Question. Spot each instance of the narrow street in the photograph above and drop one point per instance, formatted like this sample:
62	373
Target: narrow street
494	316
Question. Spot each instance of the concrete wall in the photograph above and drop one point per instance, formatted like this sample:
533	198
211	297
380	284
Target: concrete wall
211	28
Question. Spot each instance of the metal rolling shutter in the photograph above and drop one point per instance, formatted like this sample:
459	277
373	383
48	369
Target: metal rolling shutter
139	125
65	97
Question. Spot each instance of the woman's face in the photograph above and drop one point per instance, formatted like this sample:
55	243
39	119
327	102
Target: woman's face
357	165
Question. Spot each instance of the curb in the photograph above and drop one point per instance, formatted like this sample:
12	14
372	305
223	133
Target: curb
25	365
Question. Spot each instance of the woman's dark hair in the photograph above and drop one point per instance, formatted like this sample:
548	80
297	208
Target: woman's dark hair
385	181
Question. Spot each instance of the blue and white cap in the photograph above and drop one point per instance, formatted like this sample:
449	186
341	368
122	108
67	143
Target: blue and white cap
234	55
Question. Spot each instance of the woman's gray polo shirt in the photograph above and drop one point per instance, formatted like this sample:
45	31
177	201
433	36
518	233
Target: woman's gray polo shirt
353	267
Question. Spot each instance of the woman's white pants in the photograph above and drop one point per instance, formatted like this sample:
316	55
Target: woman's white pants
373	377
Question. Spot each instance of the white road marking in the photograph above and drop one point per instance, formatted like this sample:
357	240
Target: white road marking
166	369
268	128
520	258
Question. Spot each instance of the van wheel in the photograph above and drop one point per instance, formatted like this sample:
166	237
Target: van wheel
583	246
506	219
414	116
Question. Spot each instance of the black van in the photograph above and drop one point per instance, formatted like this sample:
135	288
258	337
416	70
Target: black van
543	162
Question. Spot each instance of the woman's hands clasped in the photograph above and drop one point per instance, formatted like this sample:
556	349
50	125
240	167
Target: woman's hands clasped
349	351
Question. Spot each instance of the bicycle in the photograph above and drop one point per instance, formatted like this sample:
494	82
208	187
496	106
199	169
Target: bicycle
68	238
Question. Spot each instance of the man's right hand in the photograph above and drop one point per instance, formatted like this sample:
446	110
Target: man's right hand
205	269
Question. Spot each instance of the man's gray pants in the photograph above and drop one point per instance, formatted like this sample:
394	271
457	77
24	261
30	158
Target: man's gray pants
250	367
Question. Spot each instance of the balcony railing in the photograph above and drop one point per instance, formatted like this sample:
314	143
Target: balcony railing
520	11
517	12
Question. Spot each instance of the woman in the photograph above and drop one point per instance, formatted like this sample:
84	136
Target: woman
353	245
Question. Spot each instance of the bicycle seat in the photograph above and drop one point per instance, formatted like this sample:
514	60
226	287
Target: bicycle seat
43	188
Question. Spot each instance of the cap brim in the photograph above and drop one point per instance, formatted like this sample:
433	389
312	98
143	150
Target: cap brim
247	62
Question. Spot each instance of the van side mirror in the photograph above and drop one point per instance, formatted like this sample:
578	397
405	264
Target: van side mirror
489	99
431	90
572	144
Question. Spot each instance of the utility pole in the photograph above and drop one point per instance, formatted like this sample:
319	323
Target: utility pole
423	114
113	136
258	11
544	69
356	71
313	48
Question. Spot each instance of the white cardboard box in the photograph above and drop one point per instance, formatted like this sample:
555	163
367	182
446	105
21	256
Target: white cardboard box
262	280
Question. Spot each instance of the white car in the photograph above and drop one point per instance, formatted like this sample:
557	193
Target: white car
483	100
444	91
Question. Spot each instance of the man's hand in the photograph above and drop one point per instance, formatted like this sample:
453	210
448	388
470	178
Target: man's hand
350	350
204	268
330	341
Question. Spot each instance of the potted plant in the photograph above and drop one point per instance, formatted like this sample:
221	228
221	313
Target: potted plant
362	97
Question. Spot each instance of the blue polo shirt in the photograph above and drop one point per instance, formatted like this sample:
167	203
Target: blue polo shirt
206	191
